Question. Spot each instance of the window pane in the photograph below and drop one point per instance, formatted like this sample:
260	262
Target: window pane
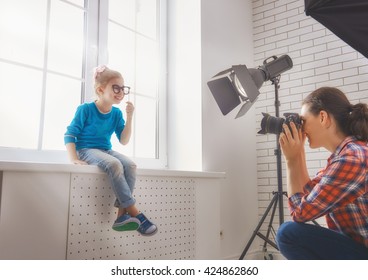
123	149
146	18
77	2
121	49
22	31
66	38
123	12
20	106
133	50
138	15
147	68
63	95
145	128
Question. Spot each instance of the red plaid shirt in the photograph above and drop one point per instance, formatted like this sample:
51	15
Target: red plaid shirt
339	192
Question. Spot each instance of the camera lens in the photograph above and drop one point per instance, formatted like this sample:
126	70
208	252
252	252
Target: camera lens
271	124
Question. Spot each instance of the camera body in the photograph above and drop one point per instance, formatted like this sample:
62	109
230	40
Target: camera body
270	124
293	117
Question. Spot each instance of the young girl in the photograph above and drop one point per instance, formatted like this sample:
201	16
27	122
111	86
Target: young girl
339	191
87	141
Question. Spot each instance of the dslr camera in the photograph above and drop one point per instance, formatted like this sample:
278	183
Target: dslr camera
270	124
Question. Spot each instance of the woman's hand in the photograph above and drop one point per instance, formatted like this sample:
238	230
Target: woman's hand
292	146
292	142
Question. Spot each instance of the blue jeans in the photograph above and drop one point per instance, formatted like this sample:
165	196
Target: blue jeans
120	169
300	241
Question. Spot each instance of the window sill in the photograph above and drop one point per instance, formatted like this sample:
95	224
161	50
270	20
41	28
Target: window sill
29	166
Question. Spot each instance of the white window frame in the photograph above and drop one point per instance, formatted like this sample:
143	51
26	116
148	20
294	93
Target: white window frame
96	54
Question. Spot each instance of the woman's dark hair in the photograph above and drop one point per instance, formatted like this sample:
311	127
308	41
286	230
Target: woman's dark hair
352	120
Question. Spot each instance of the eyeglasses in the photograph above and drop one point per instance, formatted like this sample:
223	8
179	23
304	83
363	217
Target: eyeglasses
116	89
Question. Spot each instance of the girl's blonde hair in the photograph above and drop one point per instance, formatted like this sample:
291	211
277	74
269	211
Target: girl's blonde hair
102	76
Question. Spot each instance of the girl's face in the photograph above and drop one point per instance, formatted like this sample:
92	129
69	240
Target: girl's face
113	93
312	127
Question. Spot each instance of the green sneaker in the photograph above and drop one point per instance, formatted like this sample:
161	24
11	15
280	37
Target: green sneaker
126	222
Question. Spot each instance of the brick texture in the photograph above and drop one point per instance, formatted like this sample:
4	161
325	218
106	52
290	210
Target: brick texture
320	59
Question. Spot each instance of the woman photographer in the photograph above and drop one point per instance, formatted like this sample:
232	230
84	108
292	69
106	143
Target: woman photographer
339	191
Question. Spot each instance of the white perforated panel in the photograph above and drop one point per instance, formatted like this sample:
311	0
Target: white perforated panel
168	202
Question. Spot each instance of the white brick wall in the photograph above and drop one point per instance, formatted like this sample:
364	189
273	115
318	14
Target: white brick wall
320	59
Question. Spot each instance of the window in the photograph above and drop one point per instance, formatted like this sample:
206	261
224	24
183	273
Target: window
40	71
133	47
46	66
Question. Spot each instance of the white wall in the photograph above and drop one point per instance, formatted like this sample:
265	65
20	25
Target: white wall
208	36
320	59
184	85
229	145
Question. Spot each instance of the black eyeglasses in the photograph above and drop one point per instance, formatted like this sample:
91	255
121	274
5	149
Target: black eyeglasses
116	89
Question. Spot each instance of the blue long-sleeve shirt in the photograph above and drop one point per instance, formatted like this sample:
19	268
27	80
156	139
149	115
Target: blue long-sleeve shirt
92	129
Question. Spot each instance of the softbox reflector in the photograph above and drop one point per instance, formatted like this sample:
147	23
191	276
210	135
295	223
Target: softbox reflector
347	19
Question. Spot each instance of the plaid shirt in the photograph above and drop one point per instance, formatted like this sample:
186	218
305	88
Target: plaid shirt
339	192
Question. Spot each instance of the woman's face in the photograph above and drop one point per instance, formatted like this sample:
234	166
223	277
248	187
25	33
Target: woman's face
312	127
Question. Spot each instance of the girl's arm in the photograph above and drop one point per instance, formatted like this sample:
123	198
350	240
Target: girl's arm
73	129
72	153
127	131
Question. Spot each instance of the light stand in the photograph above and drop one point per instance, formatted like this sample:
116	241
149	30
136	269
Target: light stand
277	199
240	85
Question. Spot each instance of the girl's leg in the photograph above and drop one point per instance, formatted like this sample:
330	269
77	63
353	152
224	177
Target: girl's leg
115	170
300	241
131	210
130	176
126	172
146	228
130	168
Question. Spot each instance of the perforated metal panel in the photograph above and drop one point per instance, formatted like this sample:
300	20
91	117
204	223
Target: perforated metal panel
168	202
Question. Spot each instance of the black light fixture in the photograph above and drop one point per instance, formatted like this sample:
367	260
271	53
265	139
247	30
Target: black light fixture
240	85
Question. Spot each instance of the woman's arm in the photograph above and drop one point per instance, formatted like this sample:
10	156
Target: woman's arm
292	146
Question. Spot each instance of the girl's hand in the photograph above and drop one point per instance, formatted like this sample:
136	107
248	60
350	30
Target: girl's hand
80	162
129	108
292	142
